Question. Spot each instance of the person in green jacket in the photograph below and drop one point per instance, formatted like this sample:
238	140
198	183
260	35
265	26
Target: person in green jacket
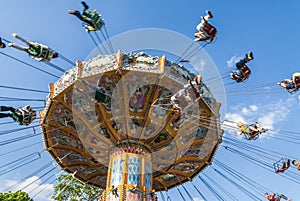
92	18
24	115
37	51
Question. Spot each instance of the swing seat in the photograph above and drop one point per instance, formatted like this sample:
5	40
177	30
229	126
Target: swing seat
297	82
245	72
210	30
28	115
251	136
236	77
95	19
45	52
279	164
207	32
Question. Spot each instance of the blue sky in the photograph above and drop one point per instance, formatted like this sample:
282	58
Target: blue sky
268	28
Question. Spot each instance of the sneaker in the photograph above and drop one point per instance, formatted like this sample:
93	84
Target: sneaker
10	44
197	39
85	5
73	11
263	130
208	12
14	35
90	28
250	55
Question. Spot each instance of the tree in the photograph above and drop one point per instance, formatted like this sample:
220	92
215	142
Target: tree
69	188
15	196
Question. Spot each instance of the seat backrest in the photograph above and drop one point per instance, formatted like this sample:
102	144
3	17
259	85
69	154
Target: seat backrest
250	137
210	29
245	70
297	82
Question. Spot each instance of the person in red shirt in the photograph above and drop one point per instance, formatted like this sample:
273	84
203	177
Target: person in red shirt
273	197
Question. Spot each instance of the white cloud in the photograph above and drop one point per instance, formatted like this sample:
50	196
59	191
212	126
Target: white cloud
230	124
235	117
245	111
197	199
233	60
267	115
249	110
275	113
34	188
253	108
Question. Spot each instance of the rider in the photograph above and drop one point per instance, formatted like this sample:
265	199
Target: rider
114	191
273	197
237	74
92	18
153	195
197	80
2	45
297	164
202	34
101	96
37	51
251	130
290	84
134	188
184	97
24	116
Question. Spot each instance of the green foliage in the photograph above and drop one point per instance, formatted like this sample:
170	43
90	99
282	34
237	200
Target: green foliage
15	196
69	188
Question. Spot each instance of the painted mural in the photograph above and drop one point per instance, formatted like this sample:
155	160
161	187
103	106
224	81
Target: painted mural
115	197
62	116
163	136
108	83
161	103
187	167
134	196
68	97
150	130
134	126
137	99
118	126
60	137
